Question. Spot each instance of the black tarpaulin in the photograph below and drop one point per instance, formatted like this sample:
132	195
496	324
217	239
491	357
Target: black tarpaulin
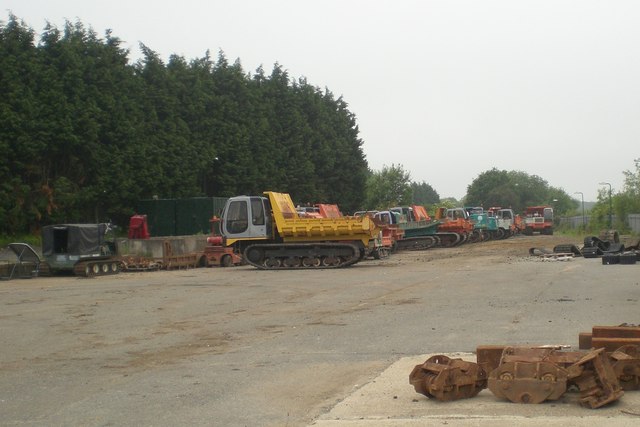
72	239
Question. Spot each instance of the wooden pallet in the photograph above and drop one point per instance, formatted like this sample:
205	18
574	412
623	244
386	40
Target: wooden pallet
563	256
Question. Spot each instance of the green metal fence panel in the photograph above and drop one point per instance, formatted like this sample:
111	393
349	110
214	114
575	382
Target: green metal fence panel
218	205
193	215
181	217
161	216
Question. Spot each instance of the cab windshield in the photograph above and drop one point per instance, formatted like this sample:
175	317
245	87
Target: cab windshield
237	217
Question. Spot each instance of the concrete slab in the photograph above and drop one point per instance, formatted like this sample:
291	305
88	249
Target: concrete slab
389	400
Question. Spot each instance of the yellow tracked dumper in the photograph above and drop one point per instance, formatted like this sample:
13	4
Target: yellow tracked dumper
269	234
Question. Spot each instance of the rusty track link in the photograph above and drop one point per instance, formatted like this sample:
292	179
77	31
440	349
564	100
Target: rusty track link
446	379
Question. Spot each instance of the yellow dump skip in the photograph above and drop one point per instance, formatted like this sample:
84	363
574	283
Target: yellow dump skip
292	228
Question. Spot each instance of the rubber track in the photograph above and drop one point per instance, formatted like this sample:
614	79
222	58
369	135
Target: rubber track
476	236
418	243
356	258
444	243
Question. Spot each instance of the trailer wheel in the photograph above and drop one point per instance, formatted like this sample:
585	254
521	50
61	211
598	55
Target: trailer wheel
225	261
203	261
383	253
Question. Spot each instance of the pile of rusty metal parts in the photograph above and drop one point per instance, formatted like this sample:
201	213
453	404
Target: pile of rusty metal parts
169	261
530	374
179	261
139	263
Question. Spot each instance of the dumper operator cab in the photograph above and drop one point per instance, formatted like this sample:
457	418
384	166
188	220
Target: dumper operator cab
247	217
456	213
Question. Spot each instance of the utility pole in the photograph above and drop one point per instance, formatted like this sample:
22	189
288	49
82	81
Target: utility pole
584	224
610	205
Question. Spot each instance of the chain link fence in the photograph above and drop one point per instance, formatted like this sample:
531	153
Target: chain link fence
633	221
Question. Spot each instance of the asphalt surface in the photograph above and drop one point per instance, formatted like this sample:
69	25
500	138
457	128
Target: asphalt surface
243	347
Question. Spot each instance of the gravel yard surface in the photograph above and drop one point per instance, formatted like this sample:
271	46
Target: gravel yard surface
243	347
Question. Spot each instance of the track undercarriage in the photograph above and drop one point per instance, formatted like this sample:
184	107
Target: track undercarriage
449	239
98	267
441	239
289	256
417	243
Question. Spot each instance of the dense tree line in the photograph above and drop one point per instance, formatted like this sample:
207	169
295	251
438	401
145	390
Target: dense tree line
388	187
392	186
424	194
516	190
85	133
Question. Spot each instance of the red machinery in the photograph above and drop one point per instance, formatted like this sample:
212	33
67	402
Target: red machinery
319	210
329	211
391	232
138	228
420	213
216	252
454	224
538	219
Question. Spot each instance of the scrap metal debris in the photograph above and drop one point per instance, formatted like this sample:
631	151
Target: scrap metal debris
626	365
139	263
607	247
171	261
446	379
525	376
610	338
534	374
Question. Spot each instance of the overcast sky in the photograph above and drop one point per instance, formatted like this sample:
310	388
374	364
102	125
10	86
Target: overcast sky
447	89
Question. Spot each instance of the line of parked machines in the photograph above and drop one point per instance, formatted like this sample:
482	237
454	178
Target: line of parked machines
270	232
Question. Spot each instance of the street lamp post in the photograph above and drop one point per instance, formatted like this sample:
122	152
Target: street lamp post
610	206
584	224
